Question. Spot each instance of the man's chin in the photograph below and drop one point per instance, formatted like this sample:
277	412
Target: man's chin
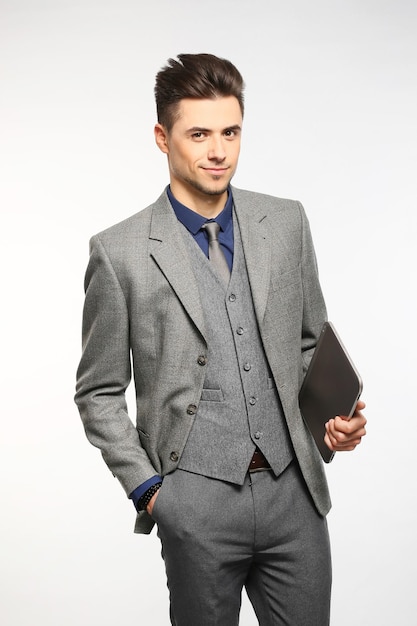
215	192
212	190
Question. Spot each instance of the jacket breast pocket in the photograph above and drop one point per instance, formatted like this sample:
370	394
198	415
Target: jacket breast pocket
143	436
286	279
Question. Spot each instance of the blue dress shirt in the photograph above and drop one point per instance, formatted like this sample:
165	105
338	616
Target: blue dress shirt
193	222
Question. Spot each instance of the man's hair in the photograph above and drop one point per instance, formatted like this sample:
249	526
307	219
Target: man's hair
198	76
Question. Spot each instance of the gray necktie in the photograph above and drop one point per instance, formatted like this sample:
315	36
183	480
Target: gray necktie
216	254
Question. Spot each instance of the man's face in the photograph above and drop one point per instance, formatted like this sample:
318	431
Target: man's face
202	148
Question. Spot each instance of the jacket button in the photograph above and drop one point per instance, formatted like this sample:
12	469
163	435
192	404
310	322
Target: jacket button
174	456
258	435
252	400
247	367
191	409
240	330
202	360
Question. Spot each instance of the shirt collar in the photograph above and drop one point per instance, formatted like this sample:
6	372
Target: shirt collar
194	221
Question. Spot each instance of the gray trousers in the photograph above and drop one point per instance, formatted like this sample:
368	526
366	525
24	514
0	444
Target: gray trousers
265	536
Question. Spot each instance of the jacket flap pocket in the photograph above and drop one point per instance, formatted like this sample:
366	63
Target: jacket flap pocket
212	395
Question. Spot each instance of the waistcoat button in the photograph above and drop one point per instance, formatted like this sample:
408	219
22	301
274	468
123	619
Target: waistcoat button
202	360
240	330
247	367
252	400
174	456
258	435
232	297
191	409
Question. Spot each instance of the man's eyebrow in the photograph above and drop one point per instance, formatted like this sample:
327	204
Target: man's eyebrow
201	129
198	129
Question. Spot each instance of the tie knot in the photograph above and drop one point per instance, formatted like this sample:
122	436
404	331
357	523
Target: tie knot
212	229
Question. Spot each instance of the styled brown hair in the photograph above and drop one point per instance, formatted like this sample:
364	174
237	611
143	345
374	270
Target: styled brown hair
198	76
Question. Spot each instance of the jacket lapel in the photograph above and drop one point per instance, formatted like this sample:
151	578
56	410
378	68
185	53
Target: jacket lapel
168	249
257	248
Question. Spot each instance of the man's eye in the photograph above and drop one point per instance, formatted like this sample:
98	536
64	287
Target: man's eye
198	135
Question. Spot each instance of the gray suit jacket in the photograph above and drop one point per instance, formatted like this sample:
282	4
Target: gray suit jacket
142	307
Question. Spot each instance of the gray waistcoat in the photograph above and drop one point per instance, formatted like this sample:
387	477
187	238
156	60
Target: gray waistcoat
239	407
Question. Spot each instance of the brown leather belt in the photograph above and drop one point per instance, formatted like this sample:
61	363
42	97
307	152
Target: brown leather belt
258	462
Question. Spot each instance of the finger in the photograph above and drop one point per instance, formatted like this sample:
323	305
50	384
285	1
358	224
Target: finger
341	446
347	426
345	433
336	446
342	439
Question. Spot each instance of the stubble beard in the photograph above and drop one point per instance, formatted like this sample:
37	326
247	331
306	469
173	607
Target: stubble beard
208	191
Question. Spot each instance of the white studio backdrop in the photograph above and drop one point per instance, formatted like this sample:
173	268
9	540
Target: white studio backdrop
330	120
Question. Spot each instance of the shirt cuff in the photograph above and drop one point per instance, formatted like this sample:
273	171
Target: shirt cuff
137	493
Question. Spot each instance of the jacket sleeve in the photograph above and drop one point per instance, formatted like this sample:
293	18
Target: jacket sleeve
104	373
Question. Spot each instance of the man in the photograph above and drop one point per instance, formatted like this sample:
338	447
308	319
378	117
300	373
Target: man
220	323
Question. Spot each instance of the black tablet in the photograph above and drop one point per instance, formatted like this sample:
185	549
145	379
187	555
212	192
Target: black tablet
332	386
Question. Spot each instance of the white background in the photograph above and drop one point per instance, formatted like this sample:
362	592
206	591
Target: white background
330	120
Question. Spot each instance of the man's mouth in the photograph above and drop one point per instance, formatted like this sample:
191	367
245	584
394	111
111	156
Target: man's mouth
215	170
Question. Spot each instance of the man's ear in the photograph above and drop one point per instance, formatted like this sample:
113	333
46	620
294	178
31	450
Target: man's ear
161	138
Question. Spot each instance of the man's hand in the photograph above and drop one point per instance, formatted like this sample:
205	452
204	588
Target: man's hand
343	433
150	505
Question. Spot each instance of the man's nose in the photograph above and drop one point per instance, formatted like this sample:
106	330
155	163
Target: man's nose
216	150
